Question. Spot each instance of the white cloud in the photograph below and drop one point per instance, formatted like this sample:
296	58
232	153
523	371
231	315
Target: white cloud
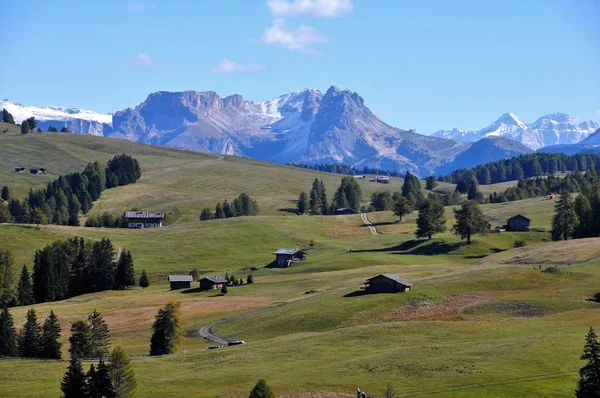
301	38
144	61
228	66
142	6
309	8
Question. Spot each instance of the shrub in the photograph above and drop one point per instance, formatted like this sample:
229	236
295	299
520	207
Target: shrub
519	243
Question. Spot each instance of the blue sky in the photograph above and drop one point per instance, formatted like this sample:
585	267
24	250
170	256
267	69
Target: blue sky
425	64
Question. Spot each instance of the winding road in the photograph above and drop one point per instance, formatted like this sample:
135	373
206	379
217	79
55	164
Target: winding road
372	228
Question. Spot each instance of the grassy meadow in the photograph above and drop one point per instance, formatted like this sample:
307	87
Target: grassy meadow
481	320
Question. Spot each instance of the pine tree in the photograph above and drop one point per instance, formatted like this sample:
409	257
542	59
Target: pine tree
206	214
250	279
74	384
585	216
224	290
7	117
7	294
589	375
121	374
100	335
5	194
25	289
81	340
102	266
144	281
401	208
431	219
124	274
303	204
8	334
30	336
473	191
99	383
25	127
50	344
430	182
470	220
219	211
166	332
315	199
411	185
261	390
563	223
64	130
323	198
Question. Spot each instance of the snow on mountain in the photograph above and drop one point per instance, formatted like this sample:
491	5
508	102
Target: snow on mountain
47	113
552	129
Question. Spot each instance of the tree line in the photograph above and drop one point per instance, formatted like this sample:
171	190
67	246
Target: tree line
64	198
345	169
243	205
525	166
579	218
29	124
347	196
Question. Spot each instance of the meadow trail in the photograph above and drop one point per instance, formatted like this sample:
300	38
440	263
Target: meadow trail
368	223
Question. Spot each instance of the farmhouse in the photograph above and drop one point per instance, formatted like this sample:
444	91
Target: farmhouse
37	170
383	179
345	210
285	257
212	282
180	281
143	219
387	283
518	223
19	169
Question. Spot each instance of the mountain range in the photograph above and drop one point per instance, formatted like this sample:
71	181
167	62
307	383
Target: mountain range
306	126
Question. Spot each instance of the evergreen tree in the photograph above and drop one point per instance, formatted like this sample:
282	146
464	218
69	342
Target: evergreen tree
563	222
144	281
32	123
250	279
389	392
585	216
348	194
7	117
431	219
25	127
381	201
401	208
473	191
50	344
411	185
74	384
24	289
219	211
52	129
8	334
303	203
224	290
102	266
589	375
121	374
5	194
430	182
100	335
165	331
124	274
323	198
5	215
261	390
7	294
81	340
64	130
30	336
228	210
470	220
99	383
206	214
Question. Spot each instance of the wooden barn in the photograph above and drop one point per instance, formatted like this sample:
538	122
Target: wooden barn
518	223
19	169
212	282
285	257
387	283
143	219
37	170
180	281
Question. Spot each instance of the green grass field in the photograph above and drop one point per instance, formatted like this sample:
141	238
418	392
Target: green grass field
482	319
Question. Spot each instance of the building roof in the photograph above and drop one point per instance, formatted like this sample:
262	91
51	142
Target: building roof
216	279
383	177
519	215
394	278
181	278
143	214
287	251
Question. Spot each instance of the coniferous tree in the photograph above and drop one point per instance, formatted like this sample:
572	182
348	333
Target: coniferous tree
8	334
74	381
64	130
124	274
99	383
52	129
228	210
102	266
563	223
30	336
7	294
589	375
219	211
250	279
7	117
323	198
81	340
25	127
401	208
165	331
303	204
100	339
144	281
431	219
121	373
348	194
262	390
50	344
315	198
24	289
430	182
411	185
224	290
584	212
470	220
5	194
5	215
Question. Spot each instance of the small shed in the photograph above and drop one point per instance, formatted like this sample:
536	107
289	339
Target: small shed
144	219
284	257
387	283
345	210
37	170
212	282
180	281
19	169
518	223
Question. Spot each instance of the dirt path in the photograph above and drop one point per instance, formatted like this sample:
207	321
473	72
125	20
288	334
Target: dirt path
372	228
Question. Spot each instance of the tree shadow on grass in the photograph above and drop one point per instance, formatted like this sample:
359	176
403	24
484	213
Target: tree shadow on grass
595	298
192	290
288	210
356	293
381	223
417	247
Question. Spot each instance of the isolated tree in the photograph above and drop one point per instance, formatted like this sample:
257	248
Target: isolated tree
99	383
250	279
24	288
166	332
470	220
7	117
50	344
262	390
30	336
5	194
431	219
8	334
303	203
144	281
81	340
64	130
401	208
563	222
74	384
25	127
121	374
100	335
588	385
411	185
124	274
430	183
389	392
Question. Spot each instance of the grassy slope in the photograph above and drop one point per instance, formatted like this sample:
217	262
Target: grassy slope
505	323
